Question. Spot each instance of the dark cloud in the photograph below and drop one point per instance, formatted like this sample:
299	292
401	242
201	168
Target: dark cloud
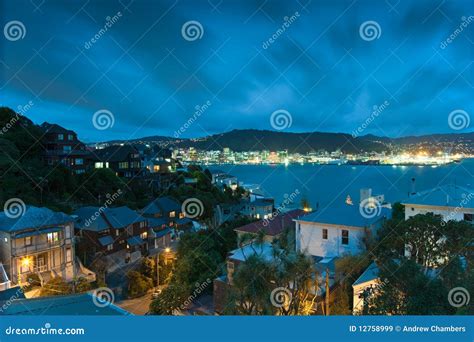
318	68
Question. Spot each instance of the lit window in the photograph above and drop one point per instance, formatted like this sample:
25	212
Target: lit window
98	165
144	235
28	241
172	213
123	165
79	161
53	237
111	247
345	237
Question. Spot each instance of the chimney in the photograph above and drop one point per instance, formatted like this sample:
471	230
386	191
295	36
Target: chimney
413	188
365	194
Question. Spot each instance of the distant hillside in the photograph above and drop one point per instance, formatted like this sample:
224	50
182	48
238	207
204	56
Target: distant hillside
257	140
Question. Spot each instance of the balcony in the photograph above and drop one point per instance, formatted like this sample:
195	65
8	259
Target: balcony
36	248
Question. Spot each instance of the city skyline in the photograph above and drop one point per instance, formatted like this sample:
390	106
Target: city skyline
310	59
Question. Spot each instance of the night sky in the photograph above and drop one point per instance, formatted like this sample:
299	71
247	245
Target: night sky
321	69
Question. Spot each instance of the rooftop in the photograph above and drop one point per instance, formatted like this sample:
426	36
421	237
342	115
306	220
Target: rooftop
115	153
33	217
162	205
275	226
78	304
346	215
265	250
370	273
119	217
442	196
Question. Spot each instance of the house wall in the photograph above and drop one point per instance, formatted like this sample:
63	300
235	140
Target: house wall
54	255
358	302
448	213
309	239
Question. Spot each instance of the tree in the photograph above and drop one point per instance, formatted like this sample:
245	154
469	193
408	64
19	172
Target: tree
56	287
170	300
138	284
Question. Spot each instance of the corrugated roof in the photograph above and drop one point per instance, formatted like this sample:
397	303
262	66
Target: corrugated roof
33	217
106	240
443	196
371	273
77	304
135	241
162	205
100	218
274	226
345	215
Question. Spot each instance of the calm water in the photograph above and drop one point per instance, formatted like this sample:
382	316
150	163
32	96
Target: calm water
324	184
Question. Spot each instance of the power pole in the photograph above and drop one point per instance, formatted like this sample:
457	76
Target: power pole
327	292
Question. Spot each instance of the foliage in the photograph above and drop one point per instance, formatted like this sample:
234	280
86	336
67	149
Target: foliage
171	299
138	284
56	287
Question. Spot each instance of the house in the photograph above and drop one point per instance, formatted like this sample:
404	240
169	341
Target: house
258	208
222	285
159	236
106	231
266	250
164	207
337	230
452	202
364	286
40	241
124	160
273	226
62	146
223	179
75	304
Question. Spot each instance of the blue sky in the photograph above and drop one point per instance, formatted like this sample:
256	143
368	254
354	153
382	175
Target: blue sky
319	69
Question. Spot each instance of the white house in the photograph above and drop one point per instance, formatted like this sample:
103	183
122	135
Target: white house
364	287
338	230
452	202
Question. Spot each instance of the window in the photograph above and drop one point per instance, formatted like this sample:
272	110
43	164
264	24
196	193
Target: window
345	237
67	148
172	213
110	247
60	136
28	241
79	161
325	234
53	237
123	165
98	165
156	168
144	235
468	217
117	232
70	137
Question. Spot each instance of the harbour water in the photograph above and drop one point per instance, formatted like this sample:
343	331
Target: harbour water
327	184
